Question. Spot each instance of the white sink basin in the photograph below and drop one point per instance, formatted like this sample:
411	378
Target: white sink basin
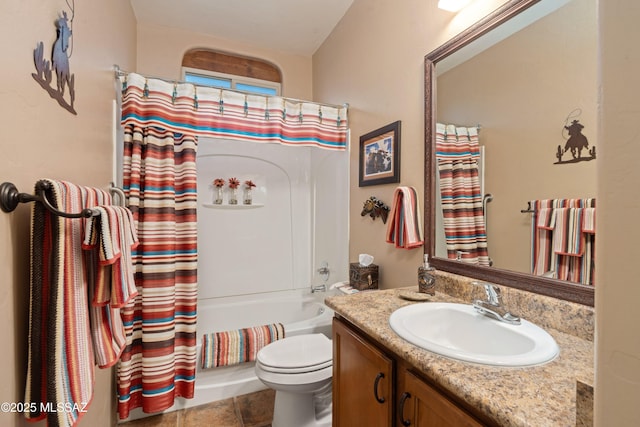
459	332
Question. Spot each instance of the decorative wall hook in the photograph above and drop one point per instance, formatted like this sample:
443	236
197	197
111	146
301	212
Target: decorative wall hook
375	208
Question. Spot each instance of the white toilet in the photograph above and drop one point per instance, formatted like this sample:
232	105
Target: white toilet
299	369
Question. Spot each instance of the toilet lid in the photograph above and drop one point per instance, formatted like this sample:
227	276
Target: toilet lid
297	353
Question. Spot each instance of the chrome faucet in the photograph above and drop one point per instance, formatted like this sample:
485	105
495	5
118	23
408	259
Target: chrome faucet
324	274
492	307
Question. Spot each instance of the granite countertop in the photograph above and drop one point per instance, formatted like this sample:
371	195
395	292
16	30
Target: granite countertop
531	396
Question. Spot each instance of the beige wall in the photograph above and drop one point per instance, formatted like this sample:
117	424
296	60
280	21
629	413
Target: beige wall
160	51
40	139
522	110
617	316
374	60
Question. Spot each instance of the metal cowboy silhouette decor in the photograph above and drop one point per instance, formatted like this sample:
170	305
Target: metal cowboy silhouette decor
59	66
575	144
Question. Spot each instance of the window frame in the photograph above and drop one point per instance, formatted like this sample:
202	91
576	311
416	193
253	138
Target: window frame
235	80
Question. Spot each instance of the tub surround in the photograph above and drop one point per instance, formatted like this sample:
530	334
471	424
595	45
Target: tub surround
543	395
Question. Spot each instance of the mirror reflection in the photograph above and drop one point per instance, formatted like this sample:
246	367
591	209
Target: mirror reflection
529	103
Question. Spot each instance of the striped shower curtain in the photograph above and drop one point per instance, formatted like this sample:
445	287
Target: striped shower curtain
161	122
218	113
457	155
159	361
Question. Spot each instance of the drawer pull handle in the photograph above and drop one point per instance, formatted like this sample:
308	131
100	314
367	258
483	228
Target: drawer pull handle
375	388
403	399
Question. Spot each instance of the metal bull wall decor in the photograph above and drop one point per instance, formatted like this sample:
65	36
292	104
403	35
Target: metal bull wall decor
375	208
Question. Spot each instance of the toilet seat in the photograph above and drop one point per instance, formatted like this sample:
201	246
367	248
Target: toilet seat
301	370
297	354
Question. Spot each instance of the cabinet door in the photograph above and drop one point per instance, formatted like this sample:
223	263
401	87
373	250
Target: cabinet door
362	381
420	405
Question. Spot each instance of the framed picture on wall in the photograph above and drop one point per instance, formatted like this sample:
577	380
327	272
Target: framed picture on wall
380	156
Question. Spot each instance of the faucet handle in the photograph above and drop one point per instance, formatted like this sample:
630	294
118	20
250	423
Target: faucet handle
324	271
492	307
493	294
492	291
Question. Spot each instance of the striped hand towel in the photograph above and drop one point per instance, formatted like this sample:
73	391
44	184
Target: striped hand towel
110	236
238	346
567	236
113	232
589	221
589	228
404	228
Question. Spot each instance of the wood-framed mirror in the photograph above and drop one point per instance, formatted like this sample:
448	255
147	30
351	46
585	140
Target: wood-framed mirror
575	292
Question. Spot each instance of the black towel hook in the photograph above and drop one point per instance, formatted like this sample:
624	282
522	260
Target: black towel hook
10	197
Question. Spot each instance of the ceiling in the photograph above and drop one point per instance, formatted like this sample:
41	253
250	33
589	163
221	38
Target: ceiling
291	26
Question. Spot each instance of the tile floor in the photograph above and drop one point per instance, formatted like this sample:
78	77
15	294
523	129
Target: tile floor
249	410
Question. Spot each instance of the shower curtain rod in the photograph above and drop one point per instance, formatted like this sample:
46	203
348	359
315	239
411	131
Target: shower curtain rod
119	73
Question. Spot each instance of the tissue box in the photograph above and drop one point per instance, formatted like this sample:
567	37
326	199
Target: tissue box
363	278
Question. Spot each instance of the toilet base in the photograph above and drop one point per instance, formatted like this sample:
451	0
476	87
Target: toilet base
297	409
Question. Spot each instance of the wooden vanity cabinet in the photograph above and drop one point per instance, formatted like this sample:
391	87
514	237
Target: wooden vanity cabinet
372	388
363	378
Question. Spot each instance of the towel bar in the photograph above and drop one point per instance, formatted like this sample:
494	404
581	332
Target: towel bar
528	210
10	197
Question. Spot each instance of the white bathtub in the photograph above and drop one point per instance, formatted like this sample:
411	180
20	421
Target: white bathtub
300	311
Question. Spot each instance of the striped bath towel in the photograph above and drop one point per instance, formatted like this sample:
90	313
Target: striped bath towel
404	228
238	346
61	361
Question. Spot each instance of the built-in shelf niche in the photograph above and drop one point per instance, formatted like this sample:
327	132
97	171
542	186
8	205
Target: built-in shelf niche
239	206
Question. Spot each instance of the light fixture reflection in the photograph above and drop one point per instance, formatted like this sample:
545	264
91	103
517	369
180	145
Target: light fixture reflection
452	5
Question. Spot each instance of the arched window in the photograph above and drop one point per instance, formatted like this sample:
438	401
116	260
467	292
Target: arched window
212	68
